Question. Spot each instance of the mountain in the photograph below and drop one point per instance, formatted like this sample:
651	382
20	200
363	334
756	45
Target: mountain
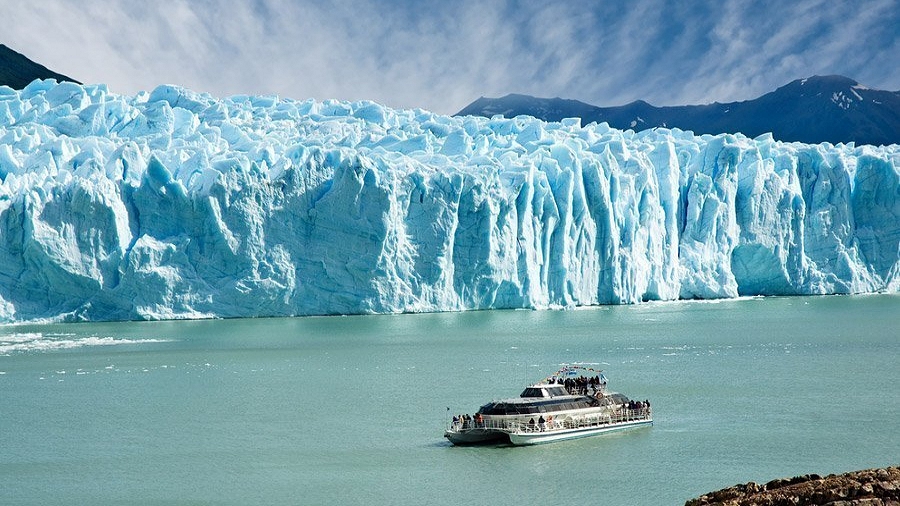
818	109
175	204
17	71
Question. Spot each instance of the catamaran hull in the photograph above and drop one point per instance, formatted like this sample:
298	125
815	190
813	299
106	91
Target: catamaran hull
477	436
537	437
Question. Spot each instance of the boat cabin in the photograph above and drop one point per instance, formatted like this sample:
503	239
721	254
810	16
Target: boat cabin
543	391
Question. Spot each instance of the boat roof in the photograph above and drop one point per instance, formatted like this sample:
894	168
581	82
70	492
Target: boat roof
547	393
570	397
532	400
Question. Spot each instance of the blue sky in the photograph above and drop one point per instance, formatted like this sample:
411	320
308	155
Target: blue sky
441	55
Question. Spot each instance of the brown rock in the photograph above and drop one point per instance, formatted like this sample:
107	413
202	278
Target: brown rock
870	487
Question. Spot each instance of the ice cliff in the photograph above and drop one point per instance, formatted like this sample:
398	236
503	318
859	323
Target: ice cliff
174	204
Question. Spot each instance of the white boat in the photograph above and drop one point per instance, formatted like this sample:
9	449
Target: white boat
553	410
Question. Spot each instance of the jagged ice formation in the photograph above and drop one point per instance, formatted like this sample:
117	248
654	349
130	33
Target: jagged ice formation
174	204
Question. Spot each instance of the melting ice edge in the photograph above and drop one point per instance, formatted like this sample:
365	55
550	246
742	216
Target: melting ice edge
175	204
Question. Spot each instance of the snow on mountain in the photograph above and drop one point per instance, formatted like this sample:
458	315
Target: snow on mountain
174	204
816	109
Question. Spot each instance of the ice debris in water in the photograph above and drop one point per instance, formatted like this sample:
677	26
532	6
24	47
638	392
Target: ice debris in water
175	204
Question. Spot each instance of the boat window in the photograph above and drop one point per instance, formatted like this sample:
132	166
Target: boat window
533	392
557	391
538	405
503	409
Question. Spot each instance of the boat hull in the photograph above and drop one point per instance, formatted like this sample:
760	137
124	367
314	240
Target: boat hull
477	436
523	438
523	435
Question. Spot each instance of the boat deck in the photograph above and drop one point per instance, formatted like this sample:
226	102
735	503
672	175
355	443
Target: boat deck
519	432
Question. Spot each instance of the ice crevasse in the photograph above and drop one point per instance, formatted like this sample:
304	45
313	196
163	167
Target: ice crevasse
176	204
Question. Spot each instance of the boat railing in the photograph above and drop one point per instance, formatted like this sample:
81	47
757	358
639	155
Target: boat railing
621	415
489	423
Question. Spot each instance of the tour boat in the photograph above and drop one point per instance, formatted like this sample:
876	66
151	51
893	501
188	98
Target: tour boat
552	410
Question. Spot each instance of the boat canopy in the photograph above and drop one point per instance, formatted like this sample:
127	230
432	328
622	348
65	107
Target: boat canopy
537	406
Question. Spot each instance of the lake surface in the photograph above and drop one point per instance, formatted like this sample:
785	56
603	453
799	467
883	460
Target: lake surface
351	410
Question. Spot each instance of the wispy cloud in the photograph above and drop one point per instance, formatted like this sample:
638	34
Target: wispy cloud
755	47
441	55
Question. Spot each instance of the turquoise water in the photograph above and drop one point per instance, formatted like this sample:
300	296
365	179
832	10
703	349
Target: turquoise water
350	410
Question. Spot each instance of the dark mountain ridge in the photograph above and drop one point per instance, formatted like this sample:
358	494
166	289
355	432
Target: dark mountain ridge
17	71
817	109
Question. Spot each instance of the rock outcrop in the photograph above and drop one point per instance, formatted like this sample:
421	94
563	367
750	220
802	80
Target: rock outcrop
870	487
17	70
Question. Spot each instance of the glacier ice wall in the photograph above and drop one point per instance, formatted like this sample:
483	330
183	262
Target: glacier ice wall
174	204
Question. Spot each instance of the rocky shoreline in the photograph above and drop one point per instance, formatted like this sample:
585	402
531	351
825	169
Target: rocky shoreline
869	487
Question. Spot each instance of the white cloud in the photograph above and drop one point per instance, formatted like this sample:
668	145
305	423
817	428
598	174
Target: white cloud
442	55
753	51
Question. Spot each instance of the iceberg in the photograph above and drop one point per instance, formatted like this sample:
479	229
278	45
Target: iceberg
177	204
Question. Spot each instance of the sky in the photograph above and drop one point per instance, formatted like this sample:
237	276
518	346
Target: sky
442	55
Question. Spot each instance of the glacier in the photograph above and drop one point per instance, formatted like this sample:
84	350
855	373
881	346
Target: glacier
178	204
